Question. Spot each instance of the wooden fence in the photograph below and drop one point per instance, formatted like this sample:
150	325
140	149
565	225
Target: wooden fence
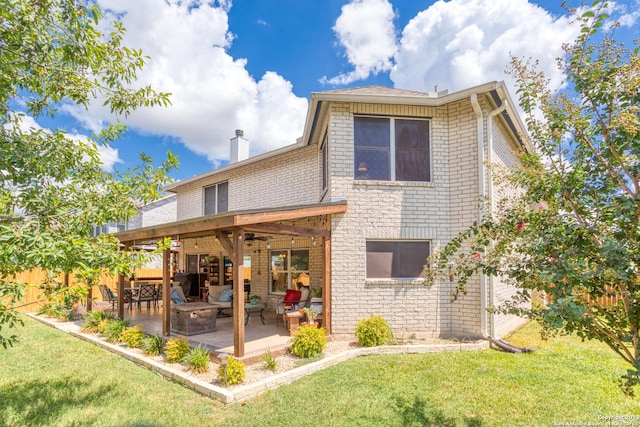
33	295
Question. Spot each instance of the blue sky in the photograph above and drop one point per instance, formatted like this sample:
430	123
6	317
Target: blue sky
252	64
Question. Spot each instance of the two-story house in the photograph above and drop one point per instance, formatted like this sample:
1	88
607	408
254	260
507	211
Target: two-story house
379	178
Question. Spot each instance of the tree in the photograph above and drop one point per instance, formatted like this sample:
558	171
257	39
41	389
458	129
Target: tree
572	232
53	188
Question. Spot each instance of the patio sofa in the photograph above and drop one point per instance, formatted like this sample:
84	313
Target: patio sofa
223	296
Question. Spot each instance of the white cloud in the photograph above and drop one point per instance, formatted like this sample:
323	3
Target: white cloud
212	93
365	29
463	43
625	14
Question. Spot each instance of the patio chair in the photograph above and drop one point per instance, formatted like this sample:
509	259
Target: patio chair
158	295
108	295
291	301
146	293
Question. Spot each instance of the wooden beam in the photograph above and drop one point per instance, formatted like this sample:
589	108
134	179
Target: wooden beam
238	293
166	290
179	228
226	243
289	214
326	284
228	220
287	229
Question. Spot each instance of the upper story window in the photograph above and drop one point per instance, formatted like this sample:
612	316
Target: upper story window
391	149
216	198
325	162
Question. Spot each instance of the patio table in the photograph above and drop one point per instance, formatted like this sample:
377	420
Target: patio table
253	307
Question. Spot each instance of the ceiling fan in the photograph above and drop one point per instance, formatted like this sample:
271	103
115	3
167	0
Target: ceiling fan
249	238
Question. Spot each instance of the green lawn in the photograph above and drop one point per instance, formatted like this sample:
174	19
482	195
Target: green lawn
53	379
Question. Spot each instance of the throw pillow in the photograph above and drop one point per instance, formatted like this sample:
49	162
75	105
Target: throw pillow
111	294
226	295
176	298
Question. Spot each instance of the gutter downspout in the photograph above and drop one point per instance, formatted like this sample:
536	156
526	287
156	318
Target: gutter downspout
481	169
490	117
483	280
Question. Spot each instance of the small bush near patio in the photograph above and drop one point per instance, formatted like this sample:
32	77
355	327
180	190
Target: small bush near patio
93	320
133	336
235	372
57	311
176	349
198	359
373	331
152	345
270	362
308	341
113	330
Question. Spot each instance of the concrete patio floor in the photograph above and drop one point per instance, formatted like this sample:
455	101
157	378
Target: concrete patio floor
258	337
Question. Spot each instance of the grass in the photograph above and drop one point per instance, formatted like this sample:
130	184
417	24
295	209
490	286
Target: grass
50	378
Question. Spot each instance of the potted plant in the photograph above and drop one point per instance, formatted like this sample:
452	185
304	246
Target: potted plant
255	299
311	315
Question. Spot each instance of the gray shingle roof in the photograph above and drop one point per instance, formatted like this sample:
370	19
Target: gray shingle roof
377	90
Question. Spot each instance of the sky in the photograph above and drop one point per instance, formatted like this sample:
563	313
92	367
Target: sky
252	64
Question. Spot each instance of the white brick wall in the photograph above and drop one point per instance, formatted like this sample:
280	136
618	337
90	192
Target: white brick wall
386	210
504	156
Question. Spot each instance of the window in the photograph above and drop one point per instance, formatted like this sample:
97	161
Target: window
391	149
325	161
396	259
216	198
289	269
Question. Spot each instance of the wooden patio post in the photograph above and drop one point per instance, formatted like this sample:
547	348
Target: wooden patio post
238	292
166	289
121	289
326	284
120	292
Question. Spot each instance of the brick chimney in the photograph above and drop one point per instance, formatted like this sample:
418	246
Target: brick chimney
239	147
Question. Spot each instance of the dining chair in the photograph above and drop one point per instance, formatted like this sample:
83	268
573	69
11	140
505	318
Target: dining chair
108	295
146	293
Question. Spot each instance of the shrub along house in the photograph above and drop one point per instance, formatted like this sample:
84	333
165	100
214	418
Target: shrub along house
379	178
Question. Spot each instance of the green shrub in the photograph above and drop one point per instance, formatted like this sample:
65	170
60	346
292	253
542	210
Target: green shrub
308	341
57	311
113	330
270	362
236	371
198	359
93	319
133	336
152	345
373	331
176	349
102	325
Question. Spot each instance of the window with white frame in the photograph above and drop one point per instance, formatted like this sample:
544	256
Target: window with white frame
391	149
289	269
396	259
216	198
325	161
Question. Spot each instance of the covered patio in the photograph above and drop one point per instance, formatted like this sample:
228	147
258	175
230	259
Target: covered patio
310	222
258	337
